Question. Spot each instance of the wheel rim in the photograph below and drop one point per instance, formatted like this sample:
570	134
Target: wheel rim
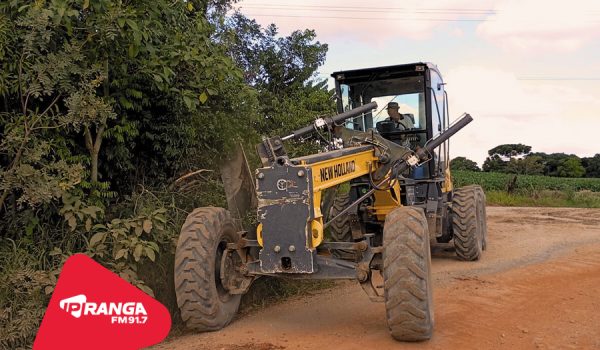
224	295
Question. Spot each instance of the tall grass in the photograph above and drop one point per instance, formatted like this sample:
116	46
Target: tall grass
582	199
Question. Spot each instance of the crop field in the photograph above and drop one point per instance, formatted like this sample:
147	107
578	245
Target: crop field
525	183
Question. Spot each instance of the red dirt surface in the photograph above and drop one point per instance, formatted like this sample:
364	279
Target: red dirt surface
536	287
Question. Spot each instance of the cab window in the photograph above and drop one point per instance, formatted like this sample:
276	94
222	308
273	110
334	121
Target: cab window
411	105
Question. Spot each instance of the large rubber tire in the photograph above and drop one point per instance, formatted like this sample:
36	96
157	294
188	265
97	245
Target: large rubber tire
468	222
340	228
407	275
204	304
481	207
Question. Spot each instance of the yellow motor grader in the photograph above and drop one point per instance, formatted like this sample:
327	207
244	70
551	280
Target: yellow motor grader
372	203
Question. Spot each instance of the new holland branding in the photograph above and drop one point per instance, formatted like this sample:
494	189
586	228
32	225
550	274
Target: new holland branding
122	313
337	170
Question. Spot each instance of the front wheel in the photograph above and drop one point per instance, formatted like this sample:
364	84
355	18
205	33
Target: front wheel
205	304
407	275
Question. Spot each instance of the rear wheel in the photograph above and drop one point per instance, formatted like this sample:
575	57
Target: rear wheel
482	215
407	275
340	228
204	302
469	222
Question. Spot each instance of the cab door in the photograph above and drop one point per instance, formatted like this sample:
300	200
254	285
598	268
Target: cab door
439	119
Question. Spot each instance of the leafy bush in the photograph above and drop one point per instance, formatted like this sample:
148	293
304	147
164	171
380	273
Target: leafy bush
24	294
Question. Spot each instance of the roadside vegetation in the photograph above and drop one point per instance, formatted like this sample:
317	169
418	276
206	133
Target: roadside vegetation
114	117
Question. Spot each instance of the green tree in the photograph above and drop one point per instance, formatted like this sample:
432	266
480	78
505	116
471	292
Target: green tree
529	165
46	95
591	165
462	163
499	156
159	73
561	164
570	167
510	150
283	70
494	163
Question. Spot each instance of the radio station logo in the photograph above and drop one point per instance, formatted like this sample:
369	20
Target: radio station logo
93	308
122	313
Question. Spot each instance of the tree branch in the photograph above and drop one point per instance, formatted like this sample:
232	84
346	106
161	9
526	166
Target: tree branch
15	161
88	139
188	175
2	199
50	105
98	141
23	106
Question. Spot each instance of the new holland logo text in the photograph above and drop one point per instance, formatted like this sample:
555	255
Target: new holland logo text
121	313
337	170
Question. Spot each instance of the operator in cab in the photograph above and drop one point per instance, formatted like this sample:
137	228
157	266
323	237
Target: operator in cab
402	122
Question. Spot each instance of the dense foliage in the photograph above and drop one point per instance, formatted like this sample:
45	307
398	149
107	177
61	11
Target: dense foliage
591	165
104	106
462	163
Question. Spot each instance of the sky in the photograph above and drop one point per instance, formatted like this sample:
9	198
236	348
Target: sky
528	71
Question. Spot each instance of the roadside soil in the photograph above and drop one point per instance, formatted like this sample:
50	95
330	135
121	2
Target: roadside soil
536	287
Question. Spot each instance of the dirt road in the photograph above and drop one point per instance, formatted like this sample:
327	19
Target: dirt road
536	287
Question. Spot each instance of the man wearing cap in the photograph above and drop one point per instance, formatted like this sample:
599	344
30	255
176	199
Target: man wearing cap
402	122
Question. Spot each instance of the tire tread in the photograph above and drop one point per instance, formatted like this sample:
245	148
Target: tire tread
407	275
198	300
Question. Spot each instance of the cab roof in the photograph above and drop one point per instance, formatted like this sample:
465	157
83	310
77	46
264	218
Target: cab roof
395	70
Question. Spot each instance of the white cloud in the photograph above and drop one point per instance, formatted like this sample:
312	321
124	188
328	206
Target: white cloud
541	25
548	116
524	25
457	32
377	21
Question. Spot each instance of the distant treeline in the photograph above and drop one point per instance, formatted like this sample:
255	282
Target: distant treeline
518	159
